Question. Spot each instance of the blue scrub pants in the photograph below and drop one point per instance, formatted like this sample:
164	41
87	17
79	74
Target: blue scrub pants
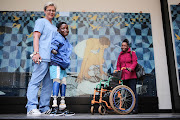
40	74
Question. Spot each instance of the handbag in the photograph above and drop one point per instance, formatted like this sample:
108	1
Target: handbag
140	72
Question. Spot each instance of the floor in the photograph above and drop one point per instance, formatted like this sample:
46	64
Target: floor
87	116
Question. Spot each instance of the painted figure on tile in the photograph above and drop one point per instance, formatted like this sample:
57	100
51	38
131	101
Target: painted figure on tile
93	55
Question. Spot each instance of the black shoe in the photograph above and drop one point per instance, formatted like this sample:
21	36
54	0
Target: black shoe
135	112
68	113
56	111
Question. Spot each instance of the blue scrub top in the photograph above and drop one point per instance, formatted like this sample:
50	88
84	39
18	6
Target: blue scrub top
47	31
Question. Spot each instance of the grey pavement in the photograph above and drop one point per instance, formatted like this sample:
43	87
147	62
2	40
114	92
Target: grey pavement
88	116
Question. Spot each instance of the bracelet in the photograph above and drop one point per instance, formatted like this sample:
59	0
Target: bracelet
34	53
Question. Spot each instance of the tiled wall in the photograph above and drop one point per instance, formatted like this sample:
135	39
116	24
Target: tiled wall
175	16
16	42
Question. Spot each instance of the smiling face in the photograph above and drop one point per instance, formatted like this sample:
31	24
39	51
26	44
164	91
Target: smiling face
50	12
63	30
124	47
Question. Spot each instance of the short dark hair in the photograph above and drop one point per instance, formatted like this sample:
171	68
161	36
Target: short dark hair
60	23
126	41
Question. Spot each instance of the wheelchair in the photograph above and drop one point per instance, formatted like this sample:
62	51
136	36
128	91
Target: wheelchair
112	95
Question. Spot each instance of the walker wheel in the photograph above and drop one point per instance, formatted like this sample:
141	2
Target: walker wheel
102	109
92	110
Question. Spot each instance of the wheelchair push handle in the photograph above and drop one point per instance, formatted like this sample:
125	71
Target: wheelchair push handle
118	73
123	68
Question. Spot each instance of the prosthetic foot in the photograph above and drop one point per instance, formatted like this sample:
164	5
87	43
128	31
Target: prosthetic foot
62	105
54	101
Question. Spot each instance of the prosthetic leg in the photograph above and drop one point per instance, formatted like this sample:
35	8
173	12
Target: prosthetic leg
56	84
62	105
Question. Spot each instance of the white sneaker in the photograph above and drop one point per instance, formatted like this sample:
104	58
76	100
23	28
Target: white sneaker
34	112
48	112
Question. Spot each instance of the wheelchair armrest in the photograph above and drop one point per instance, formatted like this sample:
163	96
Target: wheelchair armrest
106	84
103	80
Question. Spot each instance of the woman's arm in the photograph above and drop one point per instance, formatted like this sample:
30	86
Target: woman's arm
36	56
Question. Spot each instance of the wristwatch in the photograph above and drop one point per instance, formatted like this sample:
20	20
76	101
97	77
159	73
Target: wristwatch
34	53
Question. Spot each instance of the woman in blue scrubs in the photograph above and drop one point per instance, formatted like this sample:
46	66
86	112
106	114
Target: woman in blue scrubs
44	32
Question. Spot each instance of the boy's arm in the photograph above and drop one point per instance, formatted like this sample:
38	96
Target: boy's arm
54	45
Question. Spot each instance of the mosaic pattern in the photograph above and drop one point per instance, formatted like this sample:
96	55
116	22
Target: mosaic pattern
175	14
16	41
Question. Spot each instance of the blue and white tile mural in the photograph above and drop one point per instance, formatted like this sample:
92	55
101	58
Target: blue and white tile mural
96	38
175	15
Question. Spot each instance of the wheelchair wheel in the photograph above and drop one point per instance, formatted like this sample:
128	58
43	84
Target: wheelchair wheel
92	110
102	109
122	99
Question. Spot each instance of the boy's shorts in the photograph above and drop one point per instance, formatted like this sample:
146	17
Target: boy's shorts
57	72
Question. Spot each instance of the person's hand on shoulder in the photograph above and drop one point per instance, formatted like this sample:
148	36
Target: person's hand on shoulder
54	51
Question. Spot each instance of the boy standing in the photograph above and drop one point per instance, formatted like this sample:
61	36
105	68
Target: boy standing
60	60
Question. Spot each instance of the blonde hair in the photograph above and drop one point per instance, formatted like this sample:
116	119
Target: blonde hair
49	4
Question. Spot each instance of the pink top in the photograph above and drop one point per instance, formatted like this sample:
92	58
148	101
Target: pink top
128	60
